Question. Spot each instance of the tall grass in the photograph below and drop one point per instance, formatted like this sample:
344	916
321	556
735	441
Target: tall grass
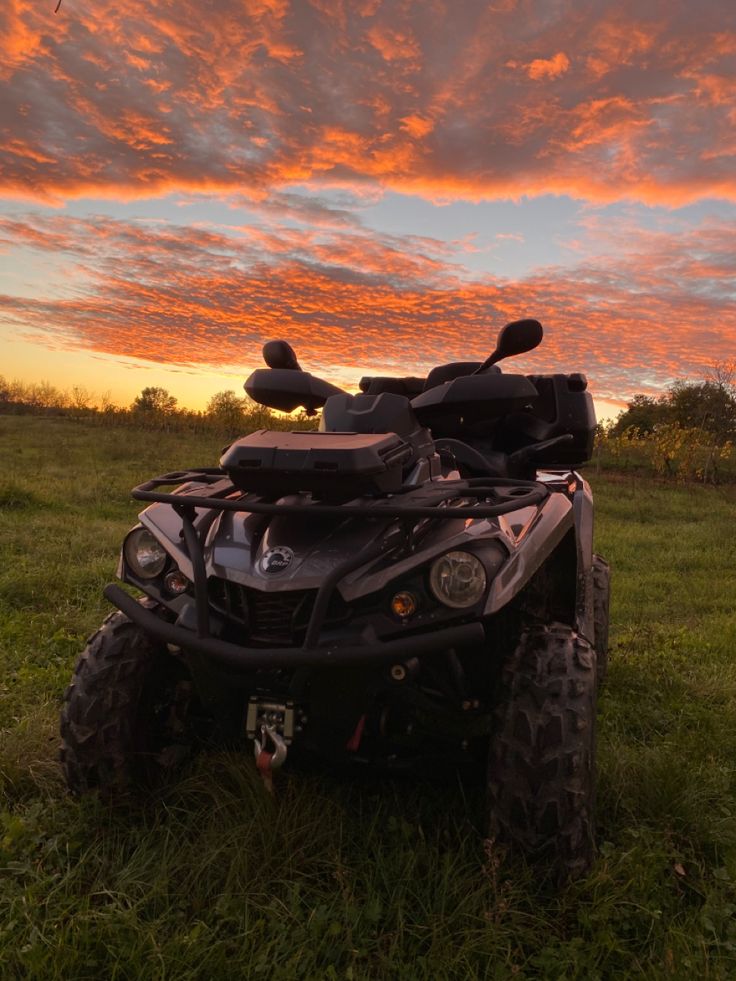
367	879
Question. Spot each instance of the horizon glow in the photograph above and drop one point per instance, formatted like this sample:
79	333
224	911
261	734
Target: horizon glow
383	185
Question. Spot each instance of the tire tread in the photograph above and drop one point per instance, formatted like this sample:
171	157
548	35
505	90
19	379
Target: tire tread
98	711
541	765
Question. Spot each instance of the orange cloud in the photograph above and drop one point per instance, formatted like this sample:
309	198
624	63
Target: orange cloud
548	67
393	44
20	42
417	126
354	302
130	99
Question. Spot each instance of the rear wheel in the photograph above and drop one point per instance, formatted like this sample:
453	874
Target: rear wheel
126	714
601	604
541	767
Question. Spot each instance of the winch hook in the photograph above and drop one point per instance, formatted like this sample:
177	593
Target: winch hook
269	760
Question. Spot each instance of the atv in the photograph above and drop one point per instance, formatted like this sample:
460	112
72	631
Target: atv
413	582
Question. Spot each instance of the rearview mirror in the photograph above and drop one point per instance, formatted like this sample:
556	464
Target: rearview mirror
515	338
280	354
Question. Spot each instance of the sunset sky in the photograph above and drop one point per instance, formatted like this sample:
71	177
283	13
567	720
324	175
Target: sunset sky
384	183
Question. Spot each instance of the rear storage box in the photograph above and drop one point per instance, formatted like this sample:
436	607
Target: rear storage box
329	464
567	405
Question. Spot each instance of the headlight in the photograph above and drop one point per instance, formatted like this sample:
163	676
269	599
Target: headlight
458	579
145	556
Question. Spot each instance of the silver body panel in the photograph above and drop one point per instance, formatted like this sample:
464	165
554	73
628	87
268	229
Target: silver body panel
236	543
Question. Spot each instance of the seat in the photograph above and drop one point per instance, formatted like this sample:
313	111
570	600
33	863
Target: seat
446	372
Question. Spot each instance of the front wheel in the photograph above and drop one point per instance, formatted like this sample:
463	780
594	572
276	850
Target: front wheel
541	766
126	714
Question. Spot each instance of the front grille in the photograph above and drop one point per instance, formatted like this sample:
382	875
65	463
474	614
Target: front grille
271	618
279	616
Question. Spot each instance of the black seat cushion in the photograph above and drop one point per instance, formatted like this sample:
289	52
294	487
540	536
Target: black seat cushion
446	372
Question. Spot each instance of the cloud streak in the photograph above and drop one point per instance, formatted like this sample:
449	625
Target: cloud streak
451	99
356	302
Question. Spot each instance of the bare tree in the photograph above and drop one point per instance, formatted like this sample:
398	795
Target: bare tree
722	374
80	398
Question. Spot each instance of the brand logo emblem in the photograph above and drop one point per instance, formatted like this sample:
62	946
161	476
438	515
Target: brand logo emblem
276	559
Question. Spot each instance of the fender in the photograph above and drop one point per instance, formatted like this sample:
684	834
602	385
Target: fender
583	511
531	549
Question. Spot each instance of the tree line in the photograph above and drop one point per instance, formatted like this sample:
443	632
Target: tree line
708	406
154	408
687	432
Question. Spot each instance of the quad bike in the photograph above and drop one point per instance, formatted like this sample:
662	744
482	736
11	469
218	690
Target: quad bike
412	582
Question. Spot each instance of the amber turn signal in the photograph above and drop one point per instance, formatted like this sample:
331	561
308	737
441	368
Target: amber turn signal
176	582
404	604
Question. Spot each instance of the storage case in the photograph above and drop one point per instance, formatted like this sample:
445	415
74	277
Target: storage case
330	464
567	406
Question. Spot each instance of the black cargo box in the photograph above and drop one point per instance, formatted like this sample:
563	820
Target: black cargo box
471	398
567	405
329	464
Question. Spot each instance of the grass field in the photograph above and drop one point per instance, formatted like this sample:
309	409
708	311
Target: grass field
213	880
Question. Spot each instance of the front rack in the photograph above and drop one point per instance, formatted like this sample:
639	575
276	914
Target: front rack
418	502
491	497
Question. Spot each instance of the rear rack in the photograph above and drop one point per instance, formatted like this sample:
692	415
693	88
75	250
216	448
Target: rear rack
491	496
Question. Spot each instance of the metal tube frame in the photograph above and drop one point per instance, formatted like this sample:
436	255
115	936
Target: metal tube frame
426	501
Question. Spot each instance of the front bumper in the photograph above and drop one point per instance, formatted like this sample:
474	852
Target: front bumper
233	657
